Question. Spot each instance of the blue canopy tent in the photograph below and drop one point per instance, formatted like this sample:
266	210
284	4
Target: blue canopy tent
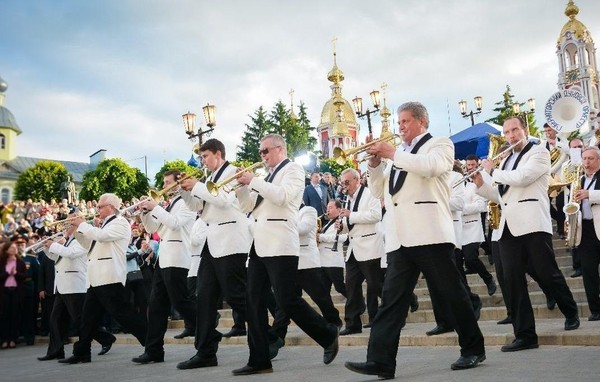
474	140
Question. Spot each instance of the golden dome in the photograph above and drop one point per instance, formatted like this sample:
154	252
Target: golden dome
574	26
328	115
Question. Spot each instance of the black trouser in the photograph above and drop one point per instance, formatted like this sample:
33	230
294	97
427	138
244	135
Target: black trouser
281	273
557	213
169	288
29	312
518	255
218	276
192	284
46	304
589	250
471	255
404	266
137	293
109	298
67	309
10	314
500	275
334	276
356	273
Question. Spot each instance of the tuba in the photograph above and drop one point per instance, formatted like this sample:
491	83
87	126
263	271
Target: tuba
497	142
567	110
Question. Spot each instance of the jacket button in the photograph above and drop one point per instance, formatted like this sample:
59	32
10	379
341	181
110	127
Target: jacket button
395	204
255	220
505	204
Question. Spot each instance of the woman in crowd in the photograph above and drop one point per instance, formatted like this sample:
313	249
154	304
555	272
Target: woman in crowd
12	274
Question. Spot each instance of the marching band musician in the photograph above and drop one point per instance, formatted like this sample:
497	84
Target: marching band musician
106	244
362	221
332	262
169	282
589	248
273	206
222	269
416	194
552	143
69	289
521	186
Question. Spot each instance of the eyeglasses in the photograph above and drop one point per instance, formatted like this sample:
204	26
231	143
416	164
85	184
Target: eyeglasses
266	151
99	206
577	147
346	182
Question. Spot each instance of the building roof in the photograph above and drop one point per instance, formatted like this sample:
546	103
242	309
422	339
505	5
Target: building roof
11	169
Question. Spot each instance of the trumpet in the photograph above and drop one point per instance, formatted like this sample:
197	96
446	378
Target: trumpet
341	156
158	195
480	168
62	224
38	246
214	188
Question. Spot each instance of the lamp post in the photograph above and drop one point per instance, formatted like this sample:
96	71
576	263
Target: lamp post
517	110
189	124
463	109
358	106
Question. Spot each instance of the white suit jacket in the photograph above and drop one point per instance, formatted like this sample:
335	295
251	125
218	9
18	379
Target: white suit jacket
275	220
227	230
457	203
421	208
173	225
472	231
197	241
363	226
525	205
329	258
107	259
307	231
71	269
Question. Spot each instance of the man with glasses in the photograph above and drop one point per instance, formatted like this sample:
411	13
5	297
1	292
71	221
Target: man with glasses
107	271
419	238
361	220
273	204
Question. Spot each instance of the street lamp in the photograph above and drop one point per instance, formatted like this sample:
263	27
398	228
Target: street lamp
517	109
189	123
358	108
463	109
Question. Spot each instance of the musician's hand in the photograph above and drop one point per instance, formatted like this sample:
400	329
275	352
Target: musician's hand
188	184
318	238
487	165
43	294
147	205
48	243
581	194
477	179
97	222
76	222
245	177
382	150
61	241
344	213
338	225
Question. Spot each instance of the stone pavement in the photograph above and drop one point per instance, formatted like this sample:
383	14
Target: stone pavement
304	363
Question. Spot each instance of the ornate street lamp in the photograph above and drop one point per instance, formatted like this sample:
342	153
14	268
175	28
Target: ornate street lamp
517	110
358	106
463	108
189	123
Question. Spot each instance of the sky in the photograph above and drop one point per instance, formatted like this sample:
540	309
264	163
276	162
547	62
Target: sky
118	74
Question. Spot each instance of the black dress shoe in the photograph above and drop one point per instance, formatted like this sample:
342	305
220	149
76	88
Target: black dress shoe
577	273
519	344
414	304
507	320
550	302
196	362
371	368
348	331
274	348
492	287
572	323
49	357
248	370
468	361
146	358
367	325
594	317
186	333
76	359
439	330
106	348
331	351
235	332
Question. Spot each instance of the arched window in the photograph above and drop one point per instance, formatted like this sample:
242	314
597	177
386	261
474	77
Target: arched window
5	193
2	142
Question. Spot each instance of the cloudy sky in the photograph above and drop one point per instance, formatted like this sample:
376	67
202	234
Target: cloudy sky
118	74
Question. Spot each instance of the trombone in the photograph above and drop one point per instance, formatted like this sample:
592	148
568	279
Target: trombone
341	156
214	188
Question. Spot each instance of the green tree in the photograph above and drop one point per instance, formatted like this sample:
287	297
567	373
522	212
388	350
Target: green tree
505	110
330	165
248	150
41	182
114	176
178	165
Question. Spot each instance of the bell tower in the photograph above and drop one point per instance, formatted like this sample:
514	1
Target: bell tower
8	129
576	55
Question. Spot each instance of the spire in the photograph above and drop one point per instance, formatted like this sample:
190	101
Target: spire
293	115
574	26
385	114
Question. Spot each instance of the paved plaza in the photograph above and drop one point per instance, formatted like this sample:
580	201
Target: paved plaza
303	363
